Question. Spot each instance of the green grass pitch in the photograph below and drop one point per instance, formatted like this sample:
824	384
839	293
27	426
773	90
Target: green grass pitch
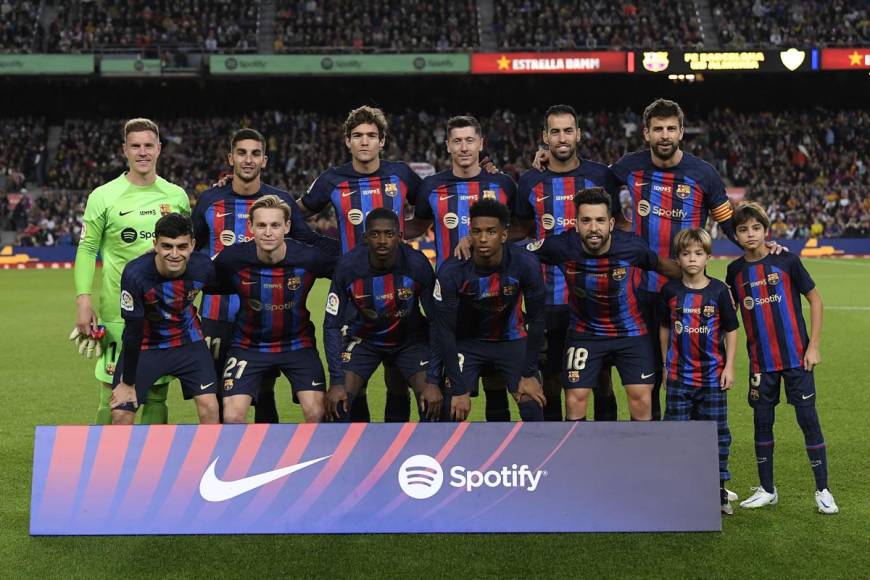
45	382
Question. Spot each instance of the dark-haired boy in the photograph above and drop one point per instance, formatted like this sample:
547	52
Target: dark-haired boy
768	288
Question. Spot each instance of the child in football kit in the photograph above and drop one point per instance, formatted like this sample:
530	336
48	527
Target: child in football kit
698	336
768	289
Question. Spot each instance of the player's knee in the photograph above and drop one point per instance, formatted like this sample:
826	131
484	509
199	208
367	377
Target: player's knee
207	408
574	396
122	417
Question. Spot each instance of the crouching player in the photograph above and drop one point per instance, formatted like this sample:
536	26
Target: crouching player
600	266
480	326
768	289
698	338
162	335
273	331
383	282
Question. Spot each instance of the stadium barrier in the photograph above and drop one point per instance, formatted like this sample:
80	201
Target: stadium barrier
376	478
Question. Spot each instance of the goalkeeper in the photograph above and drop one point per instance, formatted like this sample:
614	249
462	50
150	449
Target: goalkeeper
118	226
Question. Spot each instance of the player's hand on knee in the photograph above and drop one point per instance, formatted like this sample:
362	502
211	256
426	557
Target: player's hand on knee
123	394
460	406
530	388
336	402
430	402
541	160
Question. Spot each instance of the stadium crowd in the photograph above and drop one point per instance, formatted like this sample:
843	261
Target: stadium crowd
590	24
805	167
388	25
775	23
17	30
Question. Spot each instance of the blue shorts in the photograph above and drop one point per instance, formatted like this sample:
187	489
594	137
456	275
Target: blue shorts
800	388
245	370
483	358
361	357
585	356
191	363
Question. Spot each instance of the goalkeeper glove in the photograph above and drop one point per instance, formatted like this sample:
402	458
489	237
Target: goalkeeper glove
89	344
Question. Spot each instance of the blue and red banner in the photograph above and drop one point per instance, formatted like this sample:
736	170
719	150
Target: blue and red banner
375	478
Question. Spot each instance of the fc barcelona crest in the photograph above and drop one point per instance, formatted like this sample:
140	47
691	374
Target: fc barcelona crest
509	290
404	293
391	189
488	194
618	274
165	209
684	191
709	310
294	283
773	278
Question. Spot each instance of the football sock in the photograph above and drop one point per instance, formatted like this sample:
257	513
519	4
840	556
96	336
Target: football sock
359	408
531	411
397	408
104	412
656	402
808	420
265	410
154	412
497	405
764	418
604	405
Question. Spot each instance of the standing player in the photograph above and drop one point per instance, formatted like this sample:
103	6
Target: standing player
273	330
220	219
479	309
118	226
768	288
445	199
384	282
699	338
545	207
162	335
355	189
599	265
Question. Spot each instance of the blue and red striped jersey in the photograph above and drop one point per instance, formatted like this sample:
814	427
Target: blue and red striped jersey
220	219
447	199
768	293
698	320
353	195
665	201
487	305
547	198
165	305
385	306
273	316
602	291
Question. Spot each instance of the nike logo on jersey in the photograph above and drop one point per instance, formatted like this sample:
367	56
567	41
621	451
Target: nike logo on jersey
444	197
213	489
642	183
123	213
248	282
541	199
204	387
220	215
646	375
347	193
423	363
364	296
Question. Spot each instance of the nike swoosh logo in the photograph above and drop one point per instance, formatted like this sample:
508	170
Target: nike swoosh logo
444	197
315	384
361	297
348	194
247	283
645	375
213	489
123	213
540	199
642	183
807	397
204	387
423	363
220	215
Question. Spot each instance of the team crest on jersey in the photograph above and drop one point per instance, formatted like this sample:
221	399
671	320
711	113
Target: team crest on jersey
773	278
754	393
684	190
618	274
345	356
404	293
509	290
709	310
165	209
110	368
391	189
573	376
488	194
294	283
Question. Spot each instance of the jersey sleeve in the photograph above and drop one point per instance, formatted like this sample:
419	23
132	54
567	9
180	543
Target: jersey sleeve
663	306
534	297
620	171
727	312
549	250
646	258
446	301
336	305
522	207
613	186
302	232
183	201
412	181
422	209
802	279
201	230
317	196
93	224
132	299
510	189
730	275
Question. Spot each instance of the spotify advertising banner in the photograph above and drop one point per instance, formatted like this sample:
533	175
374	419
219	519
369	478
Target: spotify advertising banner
376	478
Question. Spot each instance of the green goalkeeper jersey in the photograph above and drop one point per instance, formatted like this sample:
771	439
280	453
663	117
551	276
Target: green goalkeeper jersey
119	226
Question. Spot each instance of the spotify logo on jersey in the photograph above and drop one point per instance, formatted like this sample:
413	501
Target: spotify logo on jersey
643	207
451	220
355	216
548	221
128	235
228	237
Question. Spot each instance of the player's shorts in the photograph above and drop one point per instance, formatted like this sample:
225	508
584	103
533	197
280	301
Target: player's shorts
218	335
478	358
108	361
800	388
554	345
362	358
191	363
585	356
245	370
649	306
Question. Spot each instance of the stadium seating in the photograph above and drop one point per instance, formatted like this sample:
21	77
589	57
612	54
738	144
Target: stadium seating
389	25
590	24
775	23
17	30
